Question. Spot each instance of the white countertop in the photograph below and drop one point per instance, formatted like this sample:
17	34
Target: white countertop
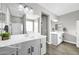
15	39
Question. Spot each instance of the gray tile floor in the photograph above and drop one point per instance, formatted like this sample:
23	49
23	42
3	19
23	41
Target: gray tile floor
62	49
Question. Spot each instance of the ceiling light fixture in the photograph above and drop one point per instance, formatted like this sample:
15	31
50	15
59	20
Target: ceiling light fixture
26	8
31	10
55	20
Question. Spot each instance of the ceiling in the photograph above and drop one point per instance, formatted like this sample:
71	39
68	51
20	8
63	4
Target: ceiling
60	8
14	9
56	8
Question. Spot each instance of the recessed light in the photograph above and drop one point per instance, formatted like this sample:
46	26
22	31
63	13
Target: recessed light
55	20
20	8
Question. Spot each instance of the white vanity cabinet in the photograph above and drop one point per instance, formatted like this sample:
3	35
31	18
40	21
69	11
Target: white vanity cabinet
56	38
21	45
43	46
30	48
25	49
35	47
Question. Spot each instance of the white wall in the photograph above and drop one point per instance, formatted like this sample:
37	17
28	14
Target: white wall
69	21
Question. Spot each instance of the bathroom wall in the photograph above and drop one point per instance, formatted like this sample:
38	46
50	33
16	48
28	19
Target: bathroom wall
3	9
2	17
69	21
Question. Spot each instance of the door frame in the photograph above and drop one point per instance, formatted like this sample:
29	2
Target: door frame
43	13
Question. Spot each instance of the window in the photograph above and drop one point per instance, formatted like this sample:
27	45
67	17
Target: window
35	26
31	26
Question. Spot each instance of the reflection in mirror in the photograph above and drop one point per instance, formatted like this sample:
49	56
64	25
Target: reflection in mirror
16	24
10	19
6	28
15	20
17	28
2	22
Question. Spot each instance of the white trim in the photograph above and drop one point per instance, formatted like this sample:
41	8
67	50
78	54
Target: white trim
49	42
77	45
69	42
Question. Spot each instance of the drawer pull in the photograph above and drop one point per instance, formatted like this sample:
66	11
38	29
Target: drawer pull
41	45
32	49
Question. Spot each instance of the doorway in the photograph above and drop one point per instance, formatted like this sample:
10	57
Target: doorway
44	25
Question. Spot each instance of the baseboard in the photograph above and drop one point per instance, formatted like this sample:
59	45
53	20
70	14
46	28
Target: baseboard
64	41
69	42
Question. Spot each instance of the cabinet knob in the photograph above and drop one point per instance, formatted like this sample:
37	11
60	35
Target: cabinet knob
41	45
32	49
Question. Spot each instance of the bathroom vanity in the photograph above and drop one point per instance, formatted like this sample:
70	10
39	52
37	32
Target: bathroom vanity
18	24
56	37
24	44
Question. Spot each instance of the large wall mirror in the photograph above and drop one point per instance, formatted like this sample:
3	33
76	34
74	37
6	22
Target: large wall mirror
2	22
14	20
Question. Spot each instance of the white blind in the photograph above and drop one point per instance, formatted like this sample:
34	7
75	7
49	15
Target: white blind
29	26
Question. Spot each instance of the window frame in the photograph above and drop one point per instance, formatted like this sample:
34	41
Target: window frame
33	25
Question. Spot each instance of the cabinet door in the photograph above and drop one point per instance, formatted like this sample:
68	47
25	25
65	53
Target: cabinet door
35	47
43	46
30	48
59	38
17	47
25	48
7	51
54	38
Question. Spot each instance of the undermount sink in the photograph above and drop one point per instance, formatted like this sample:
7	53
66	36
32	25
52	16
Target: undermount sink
26	35
29	35
32	36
